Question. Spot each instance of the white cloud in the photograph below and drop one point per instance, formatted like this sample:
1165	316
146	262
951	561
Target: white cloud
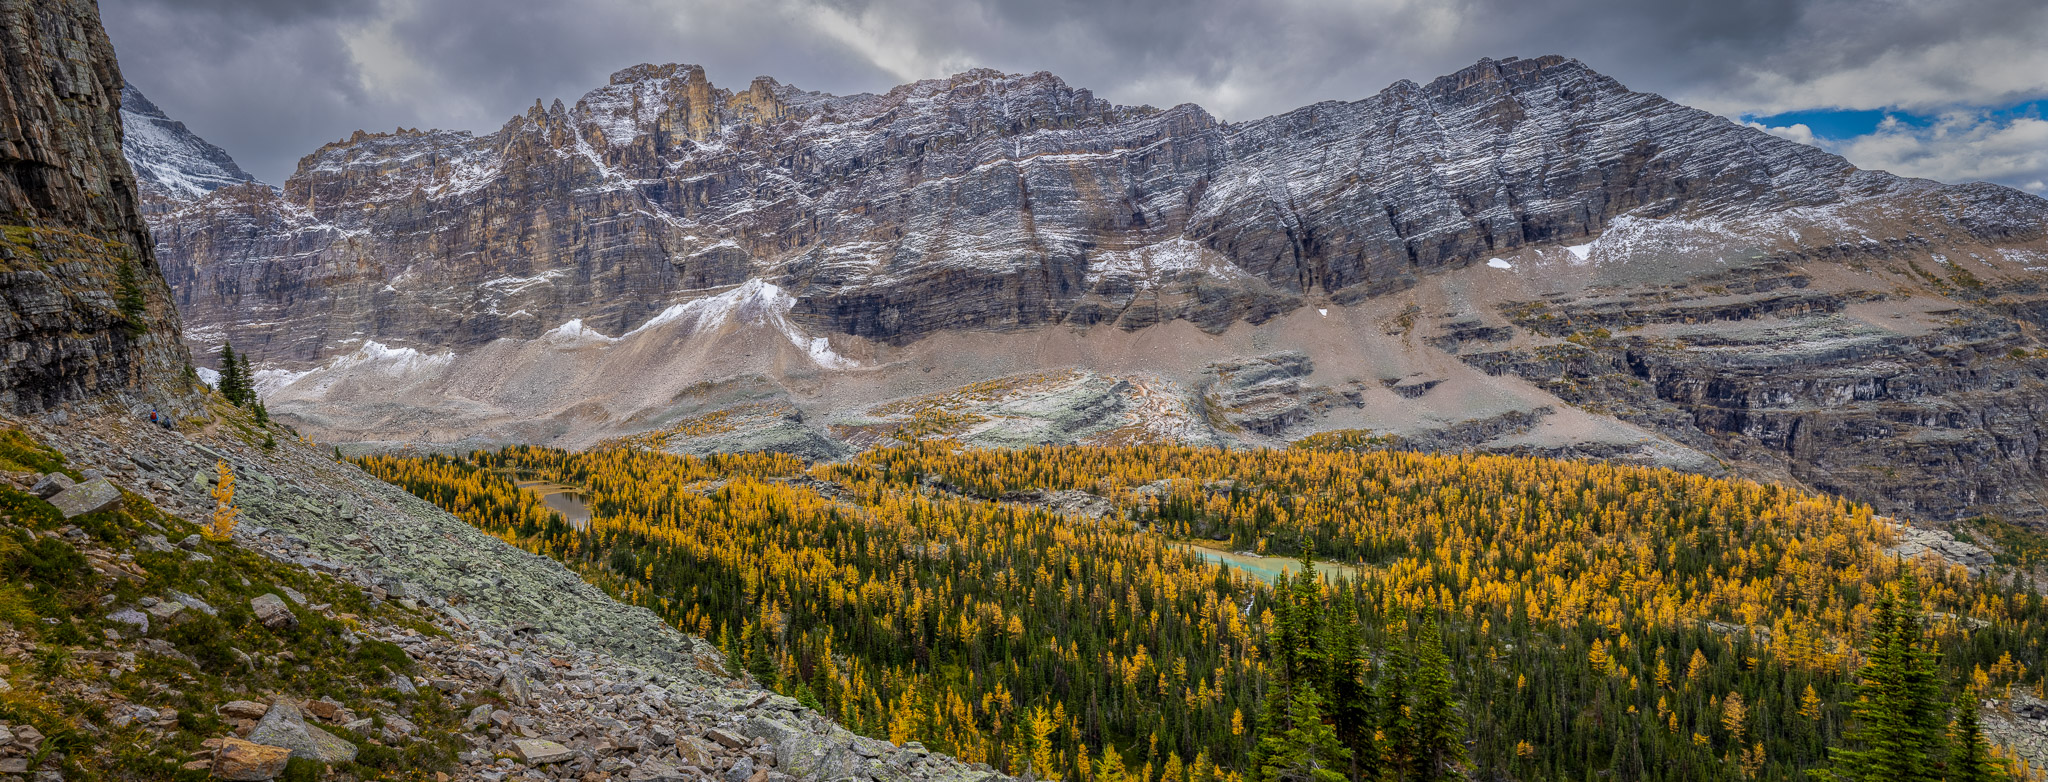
1958	147
1796	132
1981	72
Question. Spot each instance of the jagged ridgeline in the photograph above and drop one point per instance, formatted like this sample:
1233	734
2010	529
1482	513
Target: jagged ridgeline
1057	609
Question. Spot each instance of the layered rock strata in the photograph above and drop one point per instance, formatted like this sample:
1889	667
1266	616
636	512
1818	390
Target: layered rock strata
85	310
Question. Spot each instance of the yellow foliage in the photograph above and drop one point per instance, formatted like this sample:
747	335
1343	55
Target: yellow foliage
224	510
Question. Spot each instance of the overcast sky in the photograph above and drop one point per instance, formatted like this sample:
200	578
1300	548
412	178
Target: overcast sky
1948	89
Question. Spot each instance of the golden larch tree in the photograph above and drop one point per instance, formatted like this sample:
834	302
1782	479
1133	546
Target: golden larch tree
224	511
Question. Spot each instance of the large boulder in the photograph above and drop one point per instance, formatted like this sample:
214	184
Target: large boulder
284	726
89	497
272	612
512	684
539	751
248	761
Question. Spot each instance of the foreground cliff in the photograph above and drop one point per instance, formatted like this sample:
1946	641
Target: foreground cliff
1524	256
86	310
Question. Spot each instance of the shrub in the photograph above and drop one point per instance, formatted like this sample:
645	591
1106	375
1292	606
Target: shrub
302	770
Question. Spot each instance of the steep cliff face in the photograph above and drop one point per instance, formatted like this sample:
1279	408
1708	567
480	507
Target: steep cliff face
86	309
172	164
665	249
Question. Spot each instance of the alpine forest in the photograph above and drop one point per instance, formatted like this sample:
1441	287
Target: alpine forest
1316	614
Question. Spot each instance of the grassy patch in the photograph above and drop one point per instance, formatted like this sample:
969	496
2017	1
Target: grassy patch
21	453
60	580
2017	546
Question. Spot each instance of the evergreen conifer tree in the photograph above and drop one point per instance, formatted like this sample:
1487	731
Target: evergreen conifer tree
1971	759
1397	709
1439	730
230	371
1898	712
246	390
1350	700
1308	750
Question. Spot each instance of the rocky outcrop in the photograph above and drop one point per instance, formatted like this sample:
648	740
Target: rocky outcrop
86	311
2019	723
1925	406
172	164
1266	394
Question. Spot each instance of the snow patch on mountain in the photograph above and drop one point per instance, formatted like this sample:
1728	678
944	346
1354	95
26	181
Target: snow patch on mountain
509	285
1155	263
756	303
393	363
269	380
574	334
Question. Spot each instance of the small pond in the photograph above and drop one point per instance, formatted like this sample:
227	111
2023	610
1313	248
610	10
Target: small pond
566	500
1265	567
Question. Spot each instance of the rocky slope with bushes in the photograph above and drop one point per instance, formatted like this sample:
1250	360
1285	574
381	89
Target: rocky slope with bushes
344	625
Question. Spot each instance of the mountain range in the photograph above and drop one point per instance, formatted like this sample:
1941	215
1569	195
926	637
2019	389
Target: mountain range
1523	256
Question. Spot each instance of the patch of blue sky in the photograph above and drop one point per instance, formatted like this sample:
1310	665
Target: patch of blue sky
1840	124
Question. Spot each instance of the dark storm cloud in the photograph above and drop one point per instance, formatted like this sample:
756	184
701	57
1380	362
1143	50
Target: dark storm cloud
270	81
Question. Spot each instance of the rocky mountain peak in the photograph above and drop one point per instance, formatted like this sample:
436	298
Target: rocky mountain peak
171	162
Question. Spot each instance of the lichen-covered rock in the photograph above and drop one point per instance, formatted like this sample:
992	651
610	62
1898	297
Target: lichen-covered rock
89	497
271	611
133	619
284	726
542	751
49	485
